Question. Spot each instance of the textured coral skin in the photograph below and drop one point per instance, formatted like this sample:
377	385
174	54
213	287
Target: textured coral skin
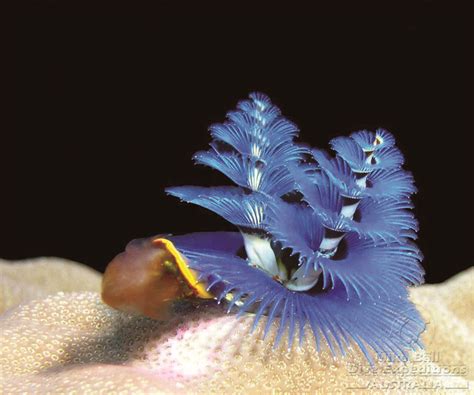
73	342
21	281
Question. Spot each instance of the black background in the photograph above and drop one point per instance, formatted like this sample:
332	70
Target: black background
111	103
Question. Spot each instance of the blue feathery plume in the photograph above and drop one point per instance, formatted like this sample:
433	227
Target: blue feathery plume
325	241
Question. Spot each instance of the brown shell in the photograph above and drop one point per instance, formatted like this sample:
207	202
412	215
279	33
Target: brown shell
143	279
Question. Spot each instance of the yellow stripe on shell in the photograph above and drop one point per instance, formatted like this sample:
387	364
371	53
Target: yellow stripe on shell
189	275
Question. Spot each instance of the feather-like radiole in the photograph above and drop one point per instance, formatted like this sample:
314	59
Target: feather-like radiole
325	242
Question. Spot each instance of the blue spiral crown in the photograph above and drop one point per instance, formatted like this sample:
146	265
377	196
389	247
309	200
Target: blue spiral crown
327	239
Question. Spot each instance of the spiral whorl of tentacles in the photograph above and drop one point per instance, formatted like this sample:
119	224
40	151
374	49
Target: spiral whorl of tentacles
327	238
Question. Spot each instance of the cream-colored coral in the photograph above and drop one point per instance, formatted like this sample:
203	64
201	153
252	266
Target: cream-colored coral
21	281
73	342
448	310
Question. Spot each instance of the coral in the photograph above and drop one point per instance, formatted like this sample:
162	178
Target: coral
21	281
73	342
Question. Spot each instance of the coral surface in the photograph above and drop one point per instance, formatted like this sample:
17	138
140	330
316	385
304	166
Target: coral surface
69	342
